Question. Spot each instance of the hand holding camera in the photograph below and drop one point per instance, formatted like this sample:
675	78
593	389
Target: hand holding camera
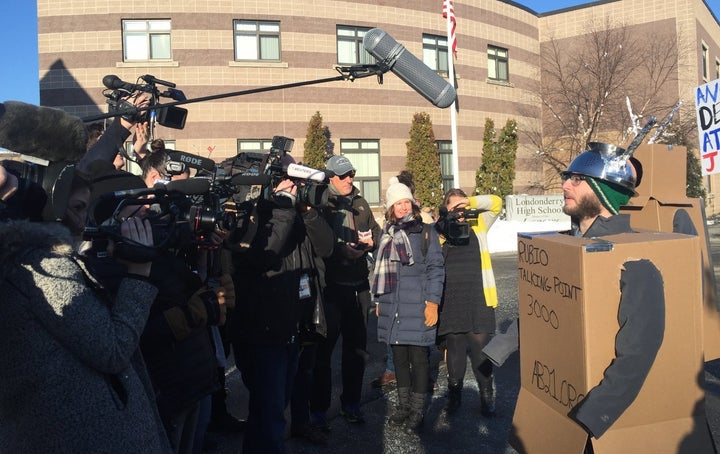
8	184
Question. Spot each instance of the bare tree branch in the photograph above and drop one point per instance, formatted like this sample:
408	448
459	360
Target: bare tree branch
585	86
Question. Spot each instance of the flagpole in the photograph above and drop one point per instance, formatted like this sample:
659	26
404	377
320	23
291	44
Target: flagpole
453	111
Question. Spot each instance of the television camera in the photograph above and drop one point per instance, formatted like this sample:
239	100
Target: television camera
456	232
181	213
117	93
187	212
278	165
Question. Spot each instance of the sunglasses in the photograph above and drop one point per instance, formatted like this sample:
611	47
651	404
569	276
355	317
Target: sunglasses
574	178
350	174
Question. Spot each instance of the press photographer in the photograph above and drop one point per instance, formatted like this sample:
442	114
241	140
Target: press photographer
177	344
467	311
277	270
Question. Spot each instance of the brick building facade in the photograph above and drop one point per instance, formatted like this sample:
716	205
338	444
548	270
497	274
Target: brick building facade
224	46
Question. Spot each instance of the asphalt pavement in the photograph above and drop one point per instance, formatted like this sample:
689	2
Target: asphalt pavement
467	431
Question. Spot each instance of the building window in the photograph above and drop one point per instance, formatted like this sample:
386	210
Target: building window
145	40
350	49
365	157
498	64
253	145
446	167
256	40
435	53
705	62
717	69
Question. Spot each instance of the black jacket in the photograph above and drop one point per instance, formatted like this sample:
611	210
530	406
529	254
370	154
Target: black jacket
267	274
641	316
184	371
341	270
108	145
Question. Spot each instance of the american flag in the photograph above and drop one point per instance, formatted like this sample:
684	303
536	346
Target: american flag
449	9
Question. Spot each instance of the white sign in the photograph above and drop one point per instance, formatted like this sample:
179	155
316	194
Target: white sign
534	208
708	121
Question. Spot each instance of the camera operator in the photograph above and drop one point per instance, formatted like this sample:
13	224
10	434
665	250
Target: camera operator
176	343
70	362
467	317
277	278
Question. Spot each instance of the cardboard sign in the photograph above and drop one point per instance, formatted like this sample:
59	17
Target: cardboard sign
568	298
707	103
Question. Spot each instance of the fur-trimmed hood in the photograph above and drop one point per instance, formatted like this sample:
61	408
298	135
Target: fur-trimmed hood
17	237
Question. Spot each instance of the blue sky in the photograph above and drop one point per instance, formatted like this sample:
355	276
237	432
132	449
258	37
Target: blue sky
18	44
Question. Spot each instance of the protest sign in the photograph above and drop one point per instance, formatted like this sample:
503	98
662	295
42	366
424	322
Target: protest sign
708	121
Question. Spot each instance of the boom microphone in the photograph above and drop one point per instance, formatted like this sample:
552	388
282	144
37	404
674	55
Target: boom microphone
306	173
41	132
409	68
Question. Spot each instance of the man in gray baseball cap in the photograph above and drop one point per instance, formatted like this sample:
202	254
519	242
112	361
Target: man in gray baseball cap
347	294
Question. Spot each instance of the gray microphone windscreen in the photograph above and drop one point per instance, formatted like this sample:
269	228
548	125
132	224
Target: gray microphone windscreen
409	68
41	132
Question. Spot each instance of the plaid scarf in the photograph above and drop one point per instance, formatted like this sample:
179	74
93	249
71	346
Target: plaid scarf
394	249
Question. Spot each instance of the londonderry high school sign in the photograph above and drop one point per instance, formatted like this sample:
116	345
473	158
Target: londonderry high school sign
535	208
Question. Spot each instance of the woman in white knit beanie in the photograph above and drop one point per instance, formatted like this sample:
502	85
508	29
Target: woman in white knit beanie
407	285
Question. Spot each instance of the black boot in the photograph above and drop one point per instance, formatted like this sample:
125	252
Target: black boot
487	395
417	412
402	410
454	396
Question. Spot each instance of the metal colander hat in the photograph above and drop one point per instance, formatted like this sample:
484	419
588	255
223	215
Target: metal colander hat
606	163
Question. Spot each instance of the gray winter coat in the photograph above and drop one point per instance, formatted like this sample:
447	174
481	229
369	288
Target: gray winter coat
70	373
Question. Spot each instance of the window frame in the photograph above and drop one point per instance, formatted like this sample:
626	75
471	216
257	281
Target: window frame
436	45
148	33
259	36
705	61
358	33
363	177
496	61
445	151
263	145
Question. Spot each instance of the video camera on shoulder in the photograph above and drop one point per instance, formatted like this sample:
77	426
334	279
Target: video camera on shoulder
275	166
456	232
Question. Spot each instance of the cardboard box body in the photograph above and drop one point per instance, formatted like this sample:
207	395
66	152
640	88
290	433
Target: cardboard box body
664	172
660	195
568	306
